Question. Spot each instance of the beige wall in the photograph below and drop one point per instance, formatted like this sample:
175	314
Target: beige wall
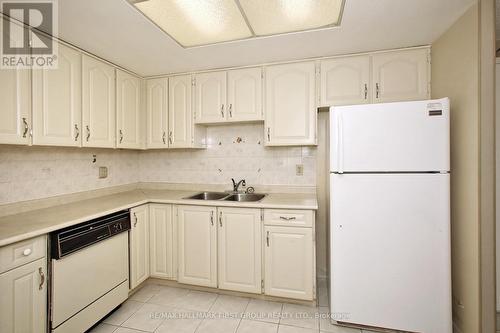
455	73
322	180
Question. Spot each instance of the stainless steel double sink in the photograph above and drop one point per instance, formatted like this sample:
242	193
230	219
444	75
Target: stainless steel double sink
224	196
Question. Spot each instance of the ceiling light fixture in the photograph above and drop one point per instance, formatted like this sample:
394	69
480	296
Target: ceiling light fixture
203	22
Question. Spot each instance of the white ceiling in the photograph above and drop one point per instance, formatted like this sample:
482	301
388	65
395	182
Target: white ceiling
114	30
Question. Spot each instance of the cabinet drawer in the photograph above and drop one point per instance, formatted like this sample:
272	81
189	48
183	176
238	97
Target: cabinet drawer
17	254
299	218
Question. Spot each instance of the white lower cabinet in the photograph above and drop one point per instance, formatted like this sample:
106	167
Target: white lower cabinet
197	250
139	245
289	262
23	287
240	249
162	242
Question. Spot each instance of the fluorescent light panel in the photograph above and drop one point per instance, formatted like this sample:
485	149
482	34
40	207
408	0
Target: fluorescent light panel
203	22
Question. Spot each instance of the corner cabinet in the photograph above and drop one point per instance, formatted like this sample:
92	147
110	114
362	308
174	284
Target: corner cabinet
401	75
98	104
290	104
57	103
162	242
197	251
240	249
157	113
128	111
139	245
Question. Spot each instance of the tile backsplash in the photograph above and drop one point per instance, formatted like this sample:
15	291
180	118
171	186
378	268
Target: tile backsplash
234	151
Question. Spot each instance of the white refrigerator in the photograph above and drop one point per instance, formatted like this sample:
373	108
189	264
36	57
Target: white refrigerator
390	259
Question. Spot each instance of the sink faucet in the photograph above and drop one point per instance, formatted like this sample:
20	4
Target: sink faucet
237	185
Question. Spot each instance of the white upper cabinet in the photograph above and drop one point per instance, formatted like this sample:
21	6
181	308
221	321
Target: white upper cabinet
128	111
240	249
57	102
15	106
181	131
15	101
345	81
162	242
157	118
290	116
210	97
244	98
401	75
197	239
98	104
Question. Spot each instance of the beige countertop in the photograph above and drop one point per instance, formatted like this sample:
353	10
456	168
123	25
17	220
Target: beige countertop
17	227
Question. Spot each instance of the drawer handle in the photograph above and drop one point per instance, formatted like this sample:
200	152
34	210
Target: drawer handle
287	218
26	252
42	278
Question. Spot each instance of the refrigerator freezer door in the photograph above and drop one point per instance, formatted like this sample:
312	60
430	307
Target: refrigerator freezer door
392	137
390	251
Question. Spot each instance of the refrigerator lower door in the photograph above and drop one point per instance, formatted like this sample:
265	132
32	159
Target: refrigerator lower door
390	251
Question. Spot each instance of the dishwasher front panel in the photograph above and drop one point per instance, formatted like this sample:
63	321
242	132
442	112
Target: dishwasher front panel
84	276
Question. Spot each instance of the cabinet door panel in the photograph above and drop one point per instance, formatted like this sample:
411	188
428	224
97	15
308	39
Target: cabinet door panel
23	303
15	96
157	104
401	75
15	106
289	262
244	100
290	104
345	81
239	242
197	247
210	97
128	110
180	120
163	242
57	103
98	104
139	245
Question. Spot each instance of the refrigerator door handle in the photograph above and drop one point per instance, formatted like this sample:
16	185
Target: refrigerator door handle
340	144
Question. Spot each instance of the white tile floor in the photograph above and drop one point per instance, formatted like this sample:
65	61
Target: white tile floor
162	309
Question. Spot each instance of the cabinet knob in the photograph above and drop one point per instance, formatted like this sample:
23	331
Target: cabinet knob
26	252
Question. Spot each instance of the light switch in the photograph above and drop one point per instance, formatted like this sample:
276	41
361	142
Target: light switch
299	169
103	172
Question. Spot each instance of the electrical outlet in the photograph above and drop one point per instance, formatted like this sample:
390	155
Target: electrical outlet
103	172
299	169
